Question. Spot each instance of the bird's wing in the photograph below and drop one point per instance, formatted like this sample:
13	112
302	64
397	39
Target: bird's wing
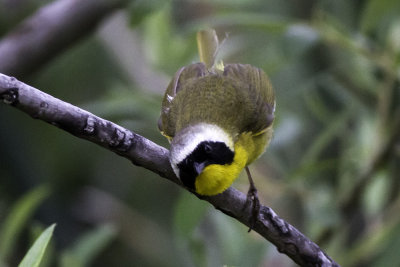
260	92
166	122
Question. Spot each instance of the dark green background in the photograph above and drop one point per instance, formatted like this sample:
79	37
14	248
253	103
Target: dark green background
335	66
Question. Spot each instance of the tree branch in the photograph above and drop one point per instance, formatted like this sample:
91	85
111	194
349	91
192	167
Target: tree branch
49	31
143	152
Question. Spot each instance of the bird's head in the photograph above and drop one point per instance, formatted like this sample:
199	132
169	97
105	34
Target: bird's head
203	157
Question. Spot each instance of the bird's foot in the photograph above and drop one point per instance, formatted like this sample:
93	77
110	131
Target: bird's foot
252	201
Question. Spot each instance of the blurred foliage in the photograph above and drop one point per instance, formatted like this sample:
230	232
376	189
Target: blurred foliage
332	169
86	247
20	213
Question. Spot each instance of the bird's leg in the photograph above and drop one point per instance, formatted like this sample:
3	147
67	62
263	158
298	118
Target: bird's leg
253	200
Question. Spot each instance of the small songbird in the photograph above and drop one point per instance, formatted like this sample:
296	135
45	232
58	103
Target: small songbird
217	118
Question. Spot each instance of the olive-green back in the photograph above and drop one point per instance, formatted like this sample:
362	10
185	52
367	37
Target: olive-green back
238	99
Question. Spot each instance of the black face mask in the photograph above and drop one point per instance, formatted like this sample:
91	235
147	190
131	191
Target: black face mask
206	153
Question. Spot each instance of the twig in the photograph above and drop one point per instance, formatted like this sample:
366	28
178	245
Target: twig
49	31
149	155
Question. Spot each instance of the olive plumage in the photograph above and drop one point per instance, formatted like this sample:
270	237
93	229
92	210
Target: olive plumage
218	121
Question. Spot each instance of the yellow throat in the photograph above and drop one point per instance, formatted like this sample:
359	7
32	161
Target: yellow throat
216	178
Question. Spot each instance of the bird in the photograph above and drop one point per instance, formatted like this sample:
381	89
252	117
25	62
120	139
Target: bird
218	119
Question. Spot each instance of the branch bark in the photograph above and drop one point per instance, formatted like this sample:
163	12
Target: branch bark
143	152
49	31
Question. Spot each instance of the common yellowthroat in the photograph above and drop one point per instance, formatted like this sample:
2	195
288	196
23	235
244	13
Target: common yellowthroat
217	118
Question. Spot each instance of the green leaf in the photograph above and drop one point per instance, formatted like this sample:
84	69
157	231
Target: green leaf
21	212
35	253
36	229
88	246
377	10
376	193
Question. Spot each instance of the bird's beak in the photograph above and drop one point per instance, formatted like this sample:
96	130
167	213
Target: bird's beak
199	166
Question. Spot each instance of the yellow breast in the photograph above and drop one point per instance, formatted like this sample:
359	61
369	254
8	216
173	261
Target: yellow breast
216	178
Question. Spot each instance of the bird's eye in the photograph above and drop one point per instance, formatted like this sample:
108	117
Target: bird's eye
188	161
208	148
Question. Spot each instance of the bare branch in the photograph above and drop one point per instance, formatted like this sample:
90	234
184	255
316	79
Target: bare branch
149	155
31	44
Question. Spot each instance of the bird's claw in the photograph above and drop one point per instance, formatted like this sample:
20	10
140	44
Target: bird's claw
252	202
